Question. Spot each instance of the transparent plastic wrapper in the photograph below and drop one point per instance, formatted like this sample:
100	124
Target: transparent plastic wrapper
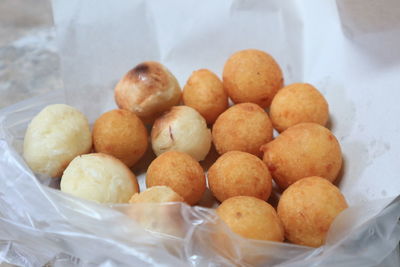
347	49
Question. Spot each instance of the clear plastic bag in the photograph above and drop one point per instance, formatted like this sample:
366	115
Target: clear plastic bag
100	40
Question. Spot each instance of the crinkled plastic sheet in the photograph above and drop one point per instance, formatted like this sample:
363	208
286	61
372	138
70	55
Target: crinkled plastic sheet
348	49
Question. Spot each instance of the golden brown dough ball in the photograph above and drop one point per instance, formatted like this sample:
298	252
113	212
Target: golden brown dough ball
296	103
252	76
165	219
243	127
99	177
303	150
252	218
122	134
307	209
205	93
238	173
54	138
180	172
156	194
148	90
160	218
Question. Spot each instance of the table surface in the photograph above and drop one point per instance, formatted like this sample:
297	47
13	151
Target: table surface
29	64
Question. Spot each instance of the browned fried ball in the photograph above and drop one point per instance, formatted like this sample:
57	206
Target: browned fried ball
205	93
296	103
243	127
307	209
303	150
148	90
165	219
252	218
122	134
181	172
252	76
238	173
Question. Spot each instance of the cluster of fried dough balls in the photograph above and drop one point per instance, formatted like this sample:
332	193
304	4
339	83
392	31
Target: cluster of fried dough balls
304	148
303	160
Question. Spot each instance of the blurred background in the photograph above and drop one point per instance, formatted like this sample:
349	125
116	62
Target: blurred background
29	64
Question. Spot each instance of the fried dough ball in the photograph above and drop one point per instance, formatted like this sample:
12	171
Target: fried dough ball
181	172
243	127
54	138
251	217
296	103
238	173
165	219
181	129
307	209
252	76
156	194
122	134
303	150
205	93
99	177
148	90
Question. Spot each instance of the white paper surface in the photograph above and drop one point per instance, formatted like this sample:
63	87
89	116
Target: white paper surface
348	49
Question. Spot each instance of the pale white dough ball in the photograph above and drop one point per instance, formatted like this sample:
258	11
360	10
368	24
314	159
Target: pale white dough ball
54	137
99	177
181	129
